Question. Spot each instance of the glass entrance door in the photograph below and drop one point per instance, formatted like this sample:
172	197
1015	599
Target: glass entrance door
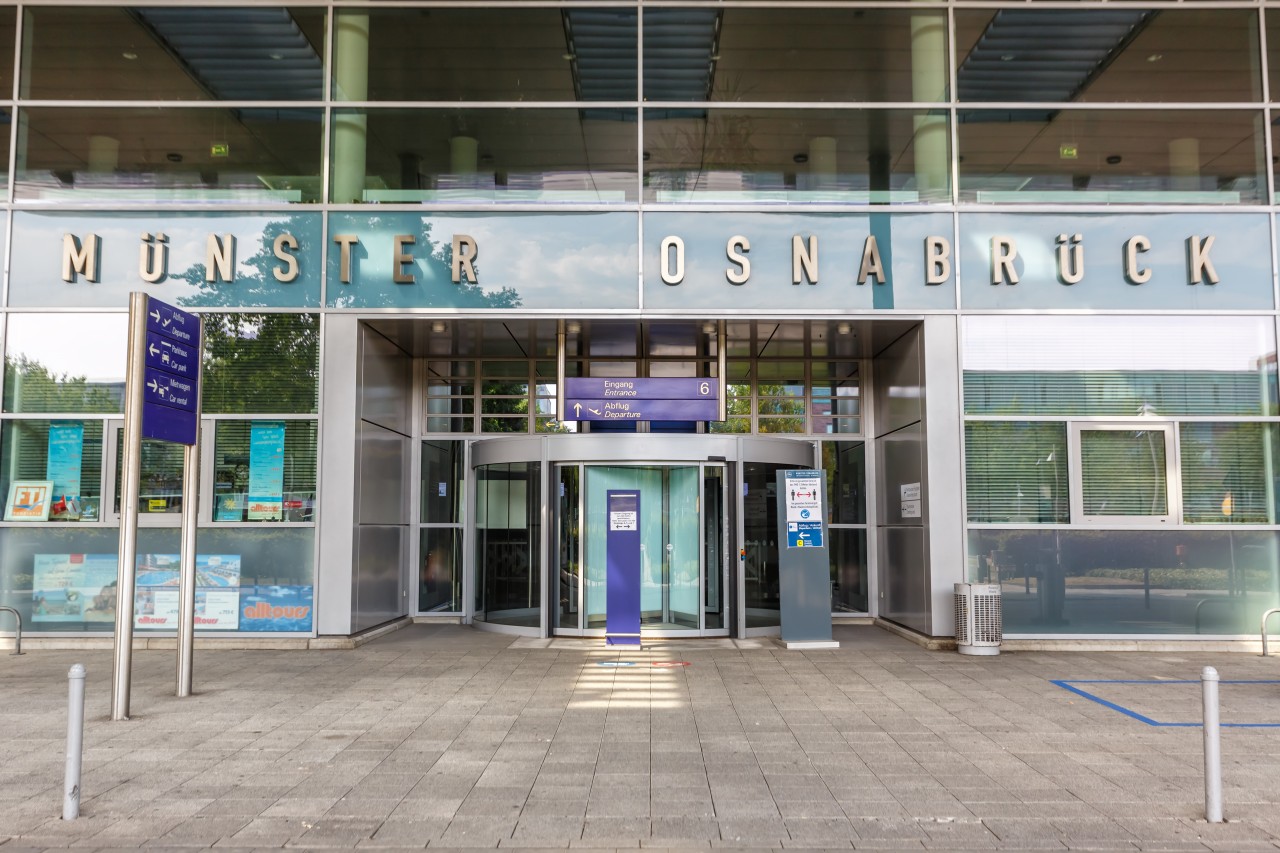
682	534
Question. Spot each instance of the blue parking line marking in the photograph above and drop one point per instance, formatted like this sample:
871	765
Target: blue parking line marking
1069	685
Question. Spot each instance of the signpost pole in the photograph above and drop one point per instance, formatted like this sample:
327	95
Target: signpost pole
130	475
190	518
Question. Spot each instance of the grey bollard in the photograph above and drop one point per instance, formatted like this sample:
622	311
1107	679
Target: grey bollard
75	742
1212	747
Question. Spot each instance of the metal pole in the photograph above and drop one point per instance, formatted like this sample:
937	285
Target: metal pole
1212	747
75	743
190	519
130	473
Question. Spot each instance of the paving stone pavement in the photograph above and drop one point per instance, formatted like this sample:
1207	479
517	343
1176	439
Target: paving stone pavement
447	737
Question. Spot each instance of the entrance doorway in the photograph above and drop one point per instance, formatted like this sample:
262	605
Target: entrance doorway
683	562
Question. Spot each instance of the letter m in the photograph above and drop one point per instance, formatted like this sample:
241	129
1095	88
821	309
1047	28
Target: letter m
79	257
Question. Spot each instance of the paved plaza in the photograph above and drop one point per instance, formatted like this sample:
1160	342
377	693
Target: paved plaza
442	736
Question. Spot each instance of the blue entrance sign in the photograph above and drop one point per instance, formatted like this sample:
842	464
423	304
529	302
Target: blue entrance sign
641	410
171	388
804	534
673	388
622	568
652	399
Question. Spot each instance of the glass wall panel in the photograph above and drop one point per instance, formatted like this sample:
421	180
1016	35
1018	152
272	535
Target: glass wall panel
1229	472
67	454
236	488
1108	54
440	583
1129	581
63	579
260	363
1016	472
568	545
575	54
1106	156
849	589
160	483
158	155
65	363
495	155
846	465
855	156
170	54
508	543
1131	365
442	482
8	30
760	540
794	54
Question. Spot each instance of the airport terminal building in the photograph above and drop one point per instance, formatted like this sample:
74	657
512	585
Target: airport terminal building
1005	271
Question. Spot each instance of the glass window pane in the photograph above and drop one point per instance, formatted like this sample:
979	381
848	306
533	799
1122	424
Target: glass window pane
1131	366
576	54
1129	54
1228	472
1123	472
234	480
738	54
475	155
157	155
66	453
846	465
442	481
1191	581
796	155
440	580
160	482
848	570
1016	472
261	363
1124	156
65	363
172	54
8	30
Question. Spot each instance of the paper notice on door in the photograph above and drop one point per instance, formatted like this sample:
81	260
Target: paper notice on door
910	500
622	520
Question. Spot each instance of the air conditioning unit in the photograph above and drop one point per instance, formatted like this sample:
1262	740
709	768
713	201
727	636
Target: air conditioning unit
978	621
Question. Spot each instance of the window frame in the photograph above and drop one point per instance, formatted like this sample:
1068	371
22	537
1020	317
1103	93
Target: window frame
1172	474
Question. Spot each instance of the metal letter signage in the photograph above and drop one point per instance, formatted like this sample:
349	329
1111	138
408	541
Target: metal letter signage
171	388
661	399
622	569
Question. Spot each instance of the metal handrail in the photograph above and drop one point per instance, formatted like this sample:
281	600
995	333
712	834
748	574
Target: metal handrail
1265	616
17	638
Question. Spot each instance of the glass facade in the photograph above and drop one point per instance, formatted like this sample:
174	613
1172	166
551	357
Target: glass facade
769	196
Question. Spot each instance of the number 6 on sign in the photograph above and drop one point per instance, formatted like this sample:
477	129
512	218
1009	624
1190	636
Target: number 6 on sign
704	388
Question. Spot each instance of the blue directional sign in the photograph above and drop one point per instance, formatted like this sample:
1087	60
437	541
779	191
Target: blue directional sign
171	356
641	410
650	399
171	389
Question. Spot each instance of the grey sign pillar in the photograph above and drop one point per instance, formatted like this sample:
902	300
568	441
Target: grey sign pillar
804	568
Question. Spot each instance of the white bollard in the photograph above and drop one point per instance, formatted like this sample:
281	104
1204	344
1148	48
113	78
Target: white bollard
1212	747
75	743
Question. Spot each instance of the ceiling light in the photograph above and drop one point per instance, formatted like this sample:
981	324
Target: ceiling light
1155	57
1114	159
570	57
801	158
276	56
173	157
708	328
573	327
129	54
1007	57
438	326
843	328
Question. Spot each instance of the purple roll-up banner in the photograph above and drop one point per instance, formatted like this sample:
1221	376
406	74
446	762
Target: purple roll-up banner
622	569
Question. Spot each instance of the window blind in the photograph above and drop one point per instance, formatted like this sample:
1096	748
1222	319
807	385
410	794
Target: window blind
1016	472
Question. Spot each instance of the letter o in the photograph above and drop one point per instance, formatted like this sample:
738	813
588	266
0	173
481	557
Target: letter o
664	260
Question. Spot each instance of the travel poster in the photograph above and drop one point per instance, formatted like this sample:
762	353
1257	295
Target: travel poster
266	471
74	588
272	607
217	592
62	468
82	588
28	500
